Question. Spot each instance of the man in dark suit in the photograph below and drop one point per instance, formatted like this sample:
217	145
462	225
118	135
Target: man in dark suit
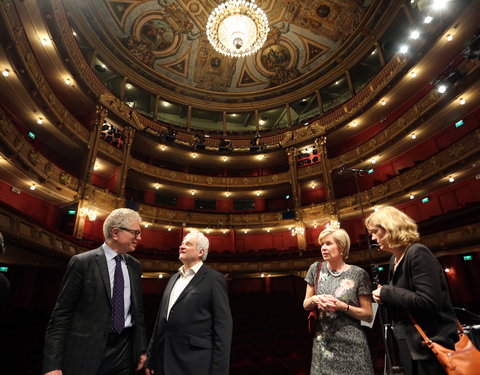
97	325
193	332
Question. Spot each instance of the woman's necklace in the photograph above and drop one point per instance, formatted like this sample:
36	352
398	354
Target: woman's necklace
336	273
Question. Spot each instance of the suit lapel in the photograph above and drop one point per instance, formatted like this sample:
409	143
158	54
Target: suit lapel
168	291
199	276
101	261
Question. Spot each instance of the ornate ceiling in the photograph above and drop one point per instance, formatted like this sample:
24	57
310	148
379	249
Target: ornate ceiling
164	43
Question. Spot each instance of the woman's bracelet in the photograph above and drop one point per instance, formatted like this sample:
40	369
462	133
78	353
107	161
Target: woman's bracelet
348	308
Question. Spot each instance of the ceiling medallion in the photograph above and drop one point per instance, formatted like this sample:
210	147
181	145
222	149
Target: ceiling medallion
237	28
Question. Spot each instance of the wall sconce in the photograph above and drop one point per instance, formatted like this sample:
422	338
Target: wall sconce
333	224
88	213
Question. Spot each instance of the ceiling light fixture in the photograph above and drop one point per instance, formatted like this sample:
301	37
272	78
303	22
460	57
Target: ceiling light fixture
39	121
237	28
462	101
6	72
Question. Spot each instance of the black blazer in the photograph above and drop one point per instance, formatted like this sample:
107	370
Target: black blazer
197	337
418	286
80	322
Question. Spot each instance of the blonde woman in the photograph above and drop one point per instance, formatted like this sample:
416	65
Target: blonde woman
416	286
342	295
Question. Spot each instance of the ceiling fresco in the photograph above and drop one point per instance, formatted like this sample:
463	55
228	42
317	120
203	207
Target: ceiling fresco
168	38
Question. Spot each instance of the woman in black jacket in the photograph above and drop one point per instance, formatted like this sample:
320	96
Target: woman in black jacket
416	286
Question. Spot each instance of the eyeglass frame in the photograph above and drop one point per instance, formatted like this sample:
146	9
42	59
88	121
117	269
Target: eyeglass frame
135	232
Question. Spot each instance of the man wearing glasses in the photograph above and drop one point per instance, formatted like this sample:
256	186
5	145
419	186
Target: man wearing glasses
97	325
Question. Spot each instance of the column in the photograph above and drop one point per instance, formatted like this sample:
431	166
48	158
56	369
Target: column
122	178
96	126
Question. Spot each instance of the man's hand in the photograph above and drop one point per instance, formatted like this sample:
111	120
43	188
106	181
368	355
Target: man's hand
143	358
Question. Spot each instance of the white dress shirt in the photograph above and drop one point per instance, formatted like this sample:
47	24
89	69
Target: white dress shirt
181	283
111	263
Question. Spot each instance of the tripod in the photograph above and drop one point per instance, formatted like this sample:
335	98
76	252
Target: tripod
387	332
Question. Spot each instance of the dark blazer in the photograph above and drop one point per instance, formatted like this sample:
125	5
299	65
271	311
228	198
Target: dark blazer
80	322
418	286
197	337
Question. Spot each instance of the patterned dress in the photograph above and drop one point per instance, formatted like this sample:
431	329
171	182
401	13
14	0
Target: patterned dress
340	346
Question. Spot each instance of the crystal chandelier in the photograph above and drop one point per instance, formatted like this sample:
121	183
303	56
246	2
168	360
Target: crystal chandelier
237	28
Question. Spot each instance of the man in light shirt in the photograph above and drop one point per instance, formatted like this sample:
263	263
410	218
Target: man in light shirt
193	332
97	325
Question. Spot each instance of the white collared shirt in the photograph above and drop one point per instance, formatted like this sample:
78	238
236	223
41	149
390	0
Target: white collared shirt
111	263
181	283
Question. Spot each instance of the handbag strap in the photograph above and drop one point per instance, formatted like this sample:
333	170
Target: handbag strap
318	276
426	339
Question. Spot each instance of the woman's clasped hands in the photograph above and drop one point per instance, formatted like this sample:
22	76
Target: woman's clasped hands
326	302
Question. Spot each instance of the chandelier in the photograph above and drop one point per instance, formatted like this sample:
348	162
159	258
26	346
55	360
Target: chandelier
237	28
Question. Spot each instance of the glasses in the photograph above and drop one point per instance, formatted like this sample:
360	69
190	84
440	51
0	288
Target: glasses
136	233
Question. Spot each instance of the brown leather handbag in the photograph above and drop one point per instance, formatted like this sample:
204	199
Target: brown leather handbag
313	315
464	360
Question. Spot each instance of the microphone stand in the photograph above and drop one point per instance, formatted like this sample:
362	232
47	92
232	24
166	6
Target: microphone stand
388	367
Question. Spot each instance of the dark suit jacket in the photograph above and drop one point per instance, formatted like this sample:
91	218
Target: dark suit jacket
418	286
80	322
197	337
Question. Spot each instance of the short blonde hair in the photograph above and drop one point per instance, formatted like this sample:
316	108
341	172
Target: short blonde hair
121	217
341	238
400	229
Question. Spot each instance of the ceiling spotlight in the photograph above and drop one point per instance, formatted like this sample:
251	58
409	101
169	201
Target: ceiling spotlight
157	186
6	72
227	194
225	159
45	41
32	187
413	136
128	86
169	229
68	81
194	155
442	88
39	121
462	101
383	102
428	19
260	157
415	34
313	186
193	192
412	196
403	49
449	37
163	148
451	179
257	193
354	124
439	4
96	167
413	74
